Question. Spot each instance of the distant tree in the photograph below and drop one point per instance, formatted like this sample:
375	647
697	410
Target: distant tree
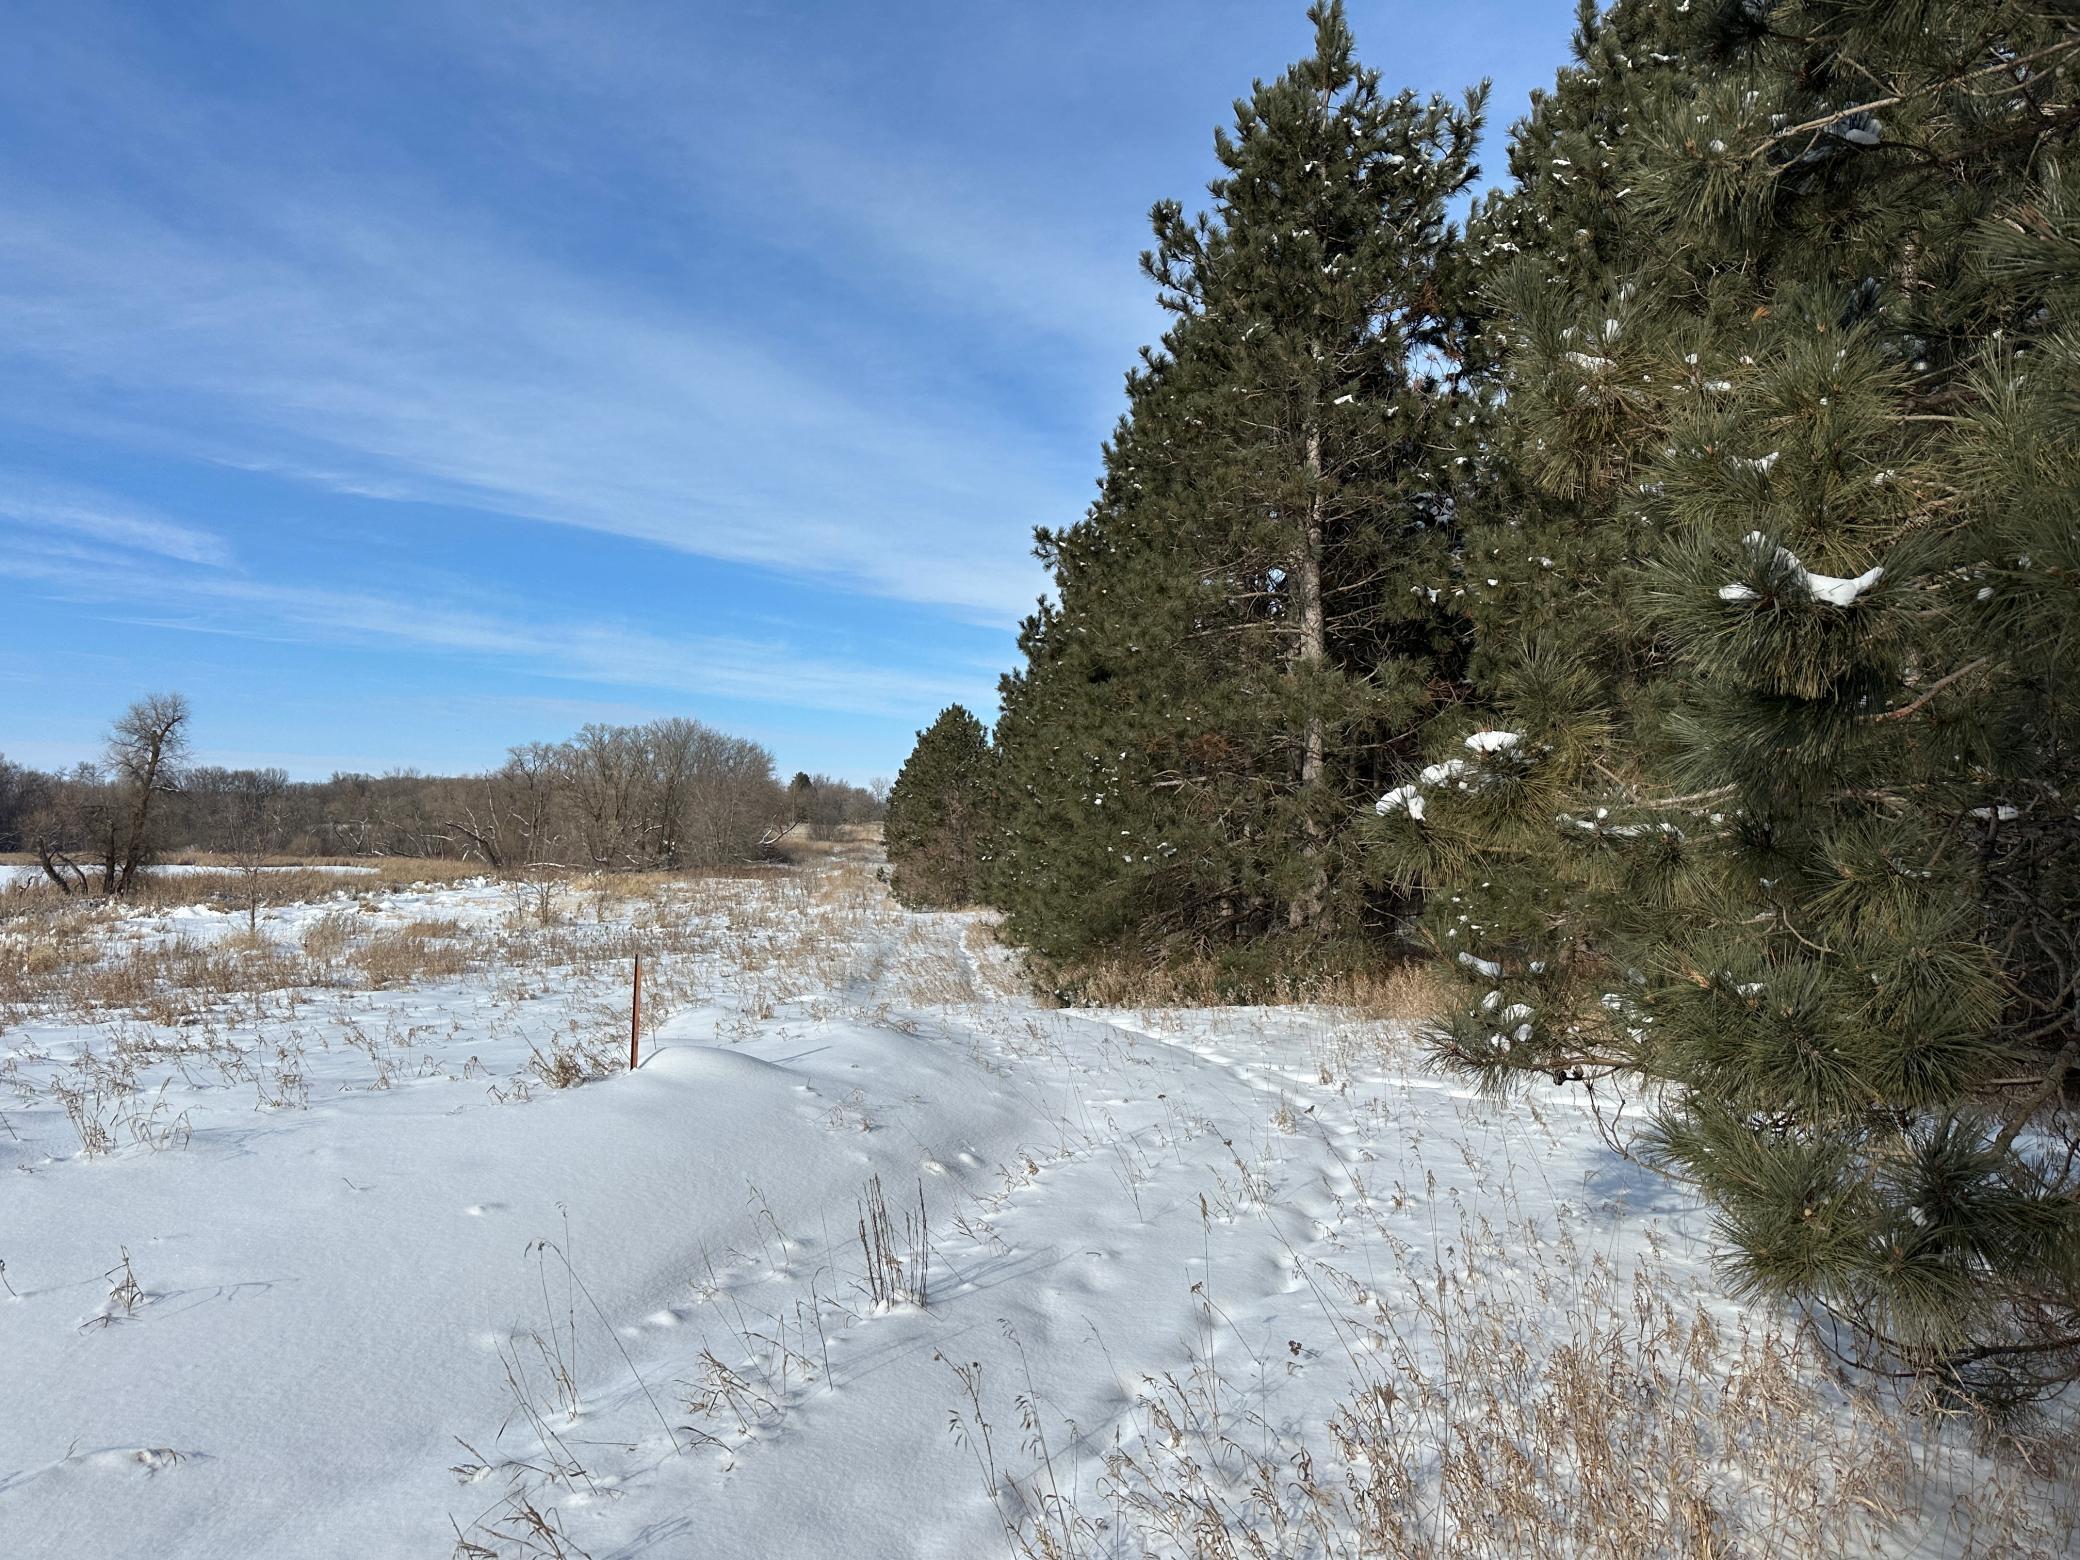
832	805
525	786
480	819
143	759
936	814
604	772
21	791
671	751
668	795
801	797
60	826
255	826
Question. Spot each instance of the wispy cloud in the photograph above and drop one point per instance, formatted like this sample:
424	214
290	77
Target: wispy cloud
490	381
770	671
385	336
805	170
38	504
360	327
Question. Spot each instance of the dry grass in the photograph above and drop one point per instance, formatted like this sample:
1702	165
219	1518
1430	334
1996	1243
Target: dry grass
81	956
164	997
83	966
851	842
1405	992
1565	1411
413	954
175	983
223	883
230	888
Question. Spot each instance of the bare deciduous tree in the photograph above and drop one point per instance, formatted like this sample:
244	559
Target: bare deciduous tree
144	752
58	828
256	797
671	794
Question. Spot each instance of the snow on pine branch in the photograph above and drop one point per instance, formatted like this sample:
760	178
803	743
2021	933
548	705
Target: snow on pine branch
1825	588
1409	798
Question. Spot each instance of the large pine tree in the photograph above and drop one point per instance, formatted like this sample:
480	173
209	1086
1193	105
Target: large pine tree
1776	595
1245	636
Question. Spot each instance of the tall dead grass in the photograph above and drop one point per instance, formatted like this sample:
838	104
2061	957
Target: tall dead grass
1405	992
81	956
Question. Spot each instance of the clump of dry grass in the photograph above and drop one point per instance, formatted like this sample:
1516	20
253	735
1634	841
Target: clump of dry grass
898	1272
1407	990
125	1294
409	955
106	1105
24	897
43	955
519	1527
327	939
566	1064
173	983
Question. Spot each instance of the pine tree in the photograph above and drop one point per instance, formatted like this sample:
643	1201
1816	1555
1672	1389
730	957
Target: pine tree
1776	601
1243	636
938	811
1090	849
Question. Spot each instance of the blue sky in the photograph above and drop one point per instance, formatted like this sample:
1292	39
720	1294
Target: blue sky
405	380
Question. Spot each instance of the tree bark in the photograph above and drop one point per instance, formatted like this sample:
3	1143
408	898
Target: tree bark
49	859
1309	651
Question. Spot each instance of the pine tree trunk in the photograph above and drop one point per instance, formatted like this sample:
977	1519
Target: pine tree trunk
1309	651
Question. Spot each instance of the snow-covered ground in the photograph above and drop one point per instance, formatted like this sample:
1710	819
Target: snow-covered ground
331	1269
34	874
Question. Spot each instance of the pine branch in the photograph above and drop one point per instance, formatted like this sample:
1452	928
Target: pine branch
1717	793
1934	688
2054	1081
1956	79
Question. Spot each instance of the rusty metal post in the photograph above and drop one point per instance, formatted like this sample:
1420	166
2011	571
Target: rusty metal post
635	1016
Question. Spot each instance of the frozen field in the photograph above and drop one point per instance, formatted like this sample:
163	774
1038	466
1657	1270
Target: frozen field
358	1239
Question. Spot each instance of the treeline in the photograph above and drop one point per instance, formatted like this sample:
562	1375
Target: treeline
825	805
1653	598
668	795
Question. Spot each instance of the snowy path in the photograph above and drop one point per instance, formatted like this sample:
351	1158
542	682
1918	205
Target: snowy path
343	1302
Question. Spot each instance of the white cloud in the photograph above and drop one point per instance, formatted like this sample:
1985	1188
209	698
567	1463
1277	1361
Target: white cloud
800	168
423	361
385	335
774	672
33	503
